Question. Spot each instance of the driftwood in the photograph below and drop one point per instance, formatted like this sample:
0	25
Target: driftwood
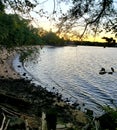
5	121
7	124
10	112
4	126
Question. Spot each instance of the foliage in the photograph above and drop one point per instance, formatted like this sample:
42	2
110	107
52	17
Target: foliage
28	52
82	16
107	121
25	54
97	15
1	7
23	6
15	31
110	41
112	112
51	38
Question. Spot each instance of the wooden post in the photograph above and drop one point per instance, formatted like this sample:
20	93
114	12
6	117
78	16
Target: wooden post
44	123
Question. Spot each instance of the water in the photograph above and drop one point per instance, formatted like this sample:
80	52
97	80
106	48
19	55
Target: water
74	73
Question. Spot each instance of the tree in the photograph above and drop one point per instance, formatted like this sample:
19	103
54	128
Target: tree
51	38
15	31
19	6
83	15
22	7
95	15
110	41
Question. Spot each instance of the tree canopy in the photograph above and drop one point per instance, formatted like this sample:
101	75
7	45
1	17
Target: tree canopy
51	38
15	31
85	16
95	15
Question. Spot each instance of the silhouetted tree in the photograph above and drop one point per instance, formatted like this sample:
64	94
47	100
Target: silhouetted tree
51	38
110	41
94	15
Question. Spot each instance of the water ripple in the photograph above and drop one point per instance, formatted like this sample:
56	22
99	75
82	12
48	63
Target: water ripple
74	72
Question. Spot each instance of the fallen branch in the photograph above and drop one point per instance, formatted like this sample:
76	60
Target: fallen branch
3	121
13	113
7	124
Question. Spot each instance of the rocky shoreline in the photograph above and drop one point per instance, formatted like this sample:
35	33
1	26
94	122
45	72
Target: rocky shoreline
22	100
22	97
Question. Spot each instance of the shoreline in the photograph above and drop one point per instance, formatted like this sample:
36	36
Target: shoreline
20	69
14	87
28	76
6	65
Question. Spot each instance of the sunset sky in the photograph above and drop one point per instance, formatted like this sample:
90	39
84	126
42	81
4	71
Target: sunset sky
48	24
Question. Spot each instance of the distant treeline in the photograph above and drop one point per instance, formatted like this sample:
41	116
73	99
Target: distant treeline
88	43
17	31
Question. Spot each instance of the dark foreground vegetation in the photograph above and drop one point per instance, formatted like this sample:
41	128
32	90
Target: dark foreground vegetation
22	105
21	102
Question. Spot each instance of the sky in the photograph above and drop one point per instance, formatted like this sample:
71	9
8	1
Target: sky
49	6
48	24
98	38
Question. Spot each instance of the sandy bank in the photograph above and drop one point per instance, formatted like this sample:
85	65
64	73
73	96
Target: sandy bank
6	68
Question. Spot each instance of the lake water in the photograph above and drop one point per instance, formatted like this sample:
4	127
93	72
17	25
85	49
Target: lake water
74	73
